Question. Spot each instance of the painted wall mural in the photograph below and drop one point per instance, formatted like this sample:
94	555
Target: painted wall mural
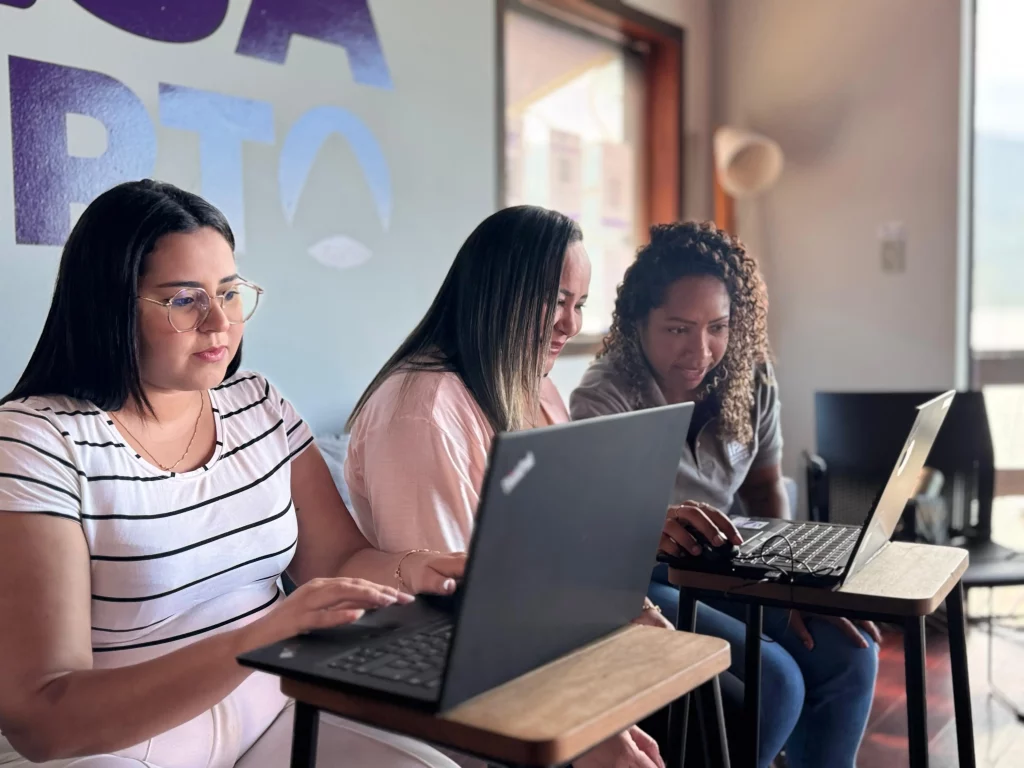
47	179
351	144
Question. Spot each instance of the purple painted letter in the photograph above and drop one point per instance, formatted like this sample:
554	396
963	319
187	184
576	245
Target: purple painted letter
19	3
46	178
169	21
346	23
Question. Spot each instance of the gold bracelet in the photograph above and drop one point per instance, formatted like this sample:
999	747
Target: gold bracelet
398	569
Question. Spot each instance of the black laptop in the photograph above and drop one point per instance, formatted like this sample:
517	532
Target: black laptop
827	554
569	522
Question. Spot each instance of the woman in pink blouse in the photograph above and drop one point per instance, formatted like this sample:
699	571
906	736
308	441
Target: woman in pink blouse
477	364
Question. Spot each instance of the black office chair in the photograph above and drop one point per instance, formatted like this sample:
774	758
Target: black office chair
859	436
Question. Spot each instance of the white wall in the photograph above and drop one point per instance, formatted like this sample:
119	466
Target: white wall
322	332
694	16
863	97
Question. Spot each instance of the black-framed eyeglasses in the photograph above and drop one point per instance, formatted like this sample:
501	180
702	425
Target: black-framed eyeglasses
189	307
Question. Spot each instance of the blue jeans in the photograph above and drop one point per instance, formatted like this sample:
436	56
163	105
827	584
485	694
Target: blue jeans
813	703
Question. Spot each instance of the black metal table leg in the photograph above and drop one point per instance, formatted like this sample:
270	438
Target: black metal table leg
917	707
679	710
752	683
712	717
304	735
957	628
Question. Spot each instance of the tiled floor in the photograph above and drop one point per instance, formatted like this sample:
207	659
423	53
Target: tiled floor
999	738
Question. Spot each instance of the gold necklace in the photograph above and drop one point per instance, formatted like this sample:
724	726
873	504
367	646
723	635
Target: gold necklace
195	431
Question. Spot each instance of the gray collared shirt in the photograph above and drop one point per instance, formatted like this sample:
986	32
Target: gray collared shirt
714	469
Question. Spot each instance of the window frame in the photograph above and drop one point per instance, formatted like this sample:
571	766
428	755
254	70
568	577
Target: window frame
662	142
986	368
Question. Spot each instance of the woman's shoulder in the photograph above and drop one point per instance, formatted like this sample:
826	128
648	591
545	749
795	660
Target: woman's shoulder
420	394
603	389
764	378
39	410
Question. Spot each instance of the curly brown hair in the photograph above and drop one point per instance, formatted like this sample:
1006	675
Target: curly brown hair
684	250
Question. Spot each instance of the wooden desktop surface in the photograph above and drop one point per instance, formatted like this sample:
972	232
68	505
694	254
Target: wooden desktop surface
904	579
557	712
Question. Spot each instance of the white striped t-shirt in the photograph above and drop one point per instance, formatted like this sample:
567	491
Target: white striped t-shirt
174	556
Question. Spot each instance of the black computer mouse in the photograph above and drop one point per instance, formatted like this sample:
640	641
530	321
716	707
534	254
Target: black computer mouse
722	552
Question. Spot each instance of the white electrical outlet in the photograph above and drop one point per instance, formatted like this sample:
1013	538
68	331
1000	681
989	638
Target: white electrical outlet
893	247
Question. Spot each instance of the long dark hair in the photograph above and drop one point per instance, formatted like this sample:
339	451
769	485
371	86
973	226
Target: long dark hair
89	347
491	321
686	250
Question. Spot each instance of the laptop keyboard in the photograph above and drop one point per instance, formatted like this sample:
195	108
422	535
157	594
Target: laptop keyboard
809	548
415	659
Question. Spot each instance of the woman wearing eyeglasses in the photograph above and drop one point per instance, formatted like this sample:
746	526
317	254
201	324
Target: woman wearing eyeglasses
152	495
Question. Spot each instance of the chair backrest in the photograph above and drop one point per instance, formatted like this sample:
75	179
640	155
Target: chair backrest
860	434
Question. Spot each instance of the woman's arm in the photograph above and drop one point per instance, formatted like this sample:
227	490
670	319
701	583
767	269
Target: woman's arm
330	543
764	492
53	704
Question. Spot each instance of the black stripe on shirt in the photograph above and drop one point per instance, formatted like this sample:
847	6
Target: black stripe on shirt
187	635
294	427
133	629
105	599
266	395
45	453
110	444
48	409
214	500
52	487
230	384
195	545
255	440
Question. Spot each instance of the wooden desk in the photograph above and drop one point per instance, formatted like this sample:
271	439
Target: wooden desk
546	717
903	584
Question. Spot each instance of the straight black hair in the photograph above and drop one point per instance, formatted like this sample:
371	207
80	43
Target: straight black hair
89	347
491	320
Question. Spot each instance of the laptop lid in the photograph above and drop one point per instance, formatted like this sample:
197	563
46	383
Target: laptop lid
902	482
565	538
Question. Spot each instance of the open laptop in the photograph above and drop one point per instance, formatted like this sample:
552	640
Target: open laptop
569	521
827	554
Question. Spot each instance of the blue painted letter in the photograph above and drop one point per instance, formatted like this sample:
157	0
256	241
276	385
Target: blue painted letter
223	123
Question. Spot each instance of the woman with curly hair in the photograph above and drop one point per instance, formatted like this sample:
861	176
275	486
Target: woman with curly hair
690	325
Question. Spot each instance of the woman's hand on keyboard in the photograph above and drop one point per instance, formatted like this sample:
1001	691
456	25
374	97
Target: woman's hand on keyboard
433	572
319	604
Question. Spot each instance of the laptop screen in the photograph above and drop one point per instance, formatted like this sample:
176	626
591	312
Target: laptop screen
902	482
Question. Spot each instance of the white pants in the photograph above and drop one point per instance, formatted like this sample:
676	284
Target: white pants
342	744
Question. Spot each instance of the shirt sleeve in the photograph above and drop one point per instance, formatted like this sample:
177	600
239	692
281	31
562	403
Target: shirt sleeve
38	473
422	485
300	437
769	425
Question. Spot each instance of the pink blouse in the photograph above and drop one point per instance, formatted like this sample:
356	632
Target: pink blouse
417	458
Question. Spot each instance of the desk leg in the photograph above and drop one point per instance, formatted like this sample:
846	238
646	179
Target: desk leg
712	717
752	682
917	707
304	735
679	710
957	627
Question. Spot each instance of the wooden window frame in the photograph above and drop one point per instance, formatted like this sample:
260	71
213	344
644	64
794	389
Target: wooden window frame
662	144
